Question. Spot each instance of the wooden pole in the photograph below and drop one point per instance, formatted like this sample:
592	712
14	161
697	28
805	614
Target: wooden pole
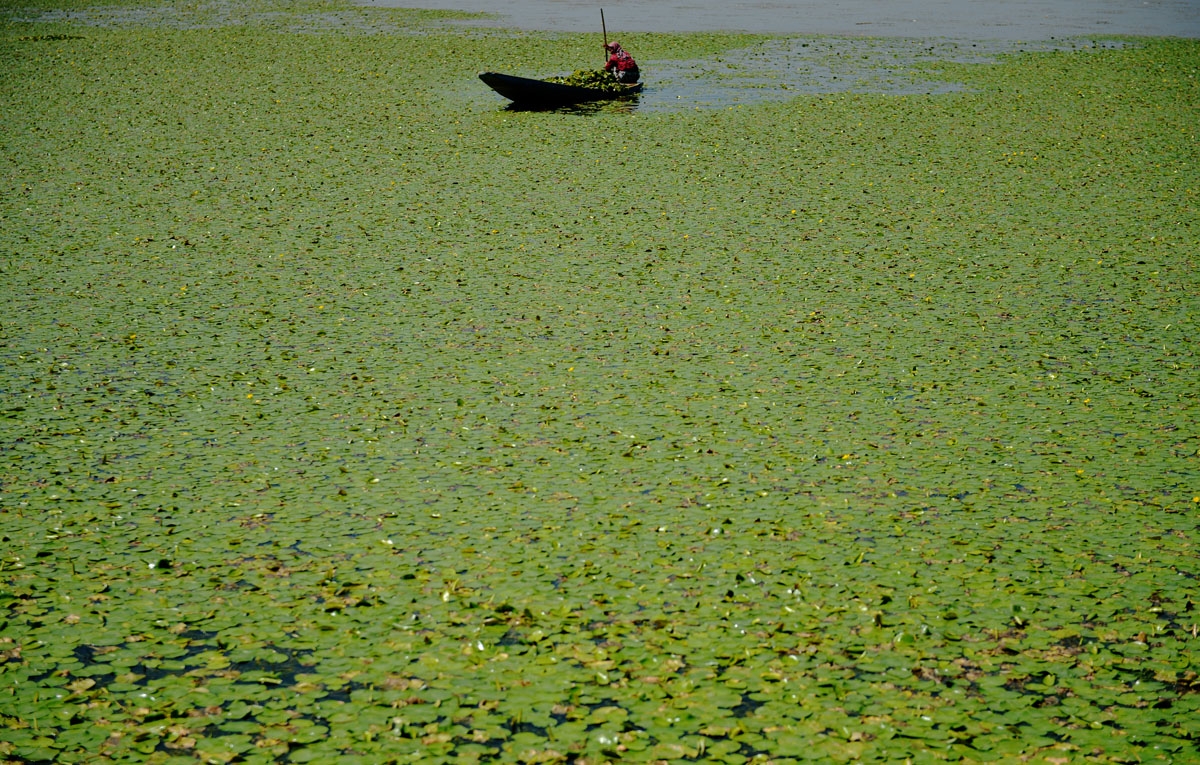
604	29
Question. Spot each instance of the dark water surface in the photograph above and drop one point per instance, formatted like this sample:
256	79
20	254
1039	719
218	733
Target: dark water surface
962	19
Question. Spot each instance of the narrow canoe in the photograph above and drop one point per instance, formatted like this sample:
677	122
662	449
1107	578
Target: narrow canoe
539	93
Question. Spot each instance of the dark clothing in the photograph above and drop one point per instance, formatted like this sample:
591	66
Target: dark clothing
622	65
627	76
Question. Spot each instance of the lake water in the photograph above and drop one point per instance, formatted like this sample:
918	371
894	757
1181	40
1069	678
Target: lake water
960	19
877	43
875	46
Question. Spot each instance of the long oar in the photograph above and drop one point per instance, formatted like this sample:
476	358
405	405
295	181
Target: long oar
604	29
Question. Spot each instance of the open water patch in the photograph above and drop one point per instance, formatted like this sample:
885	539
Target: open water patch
782	68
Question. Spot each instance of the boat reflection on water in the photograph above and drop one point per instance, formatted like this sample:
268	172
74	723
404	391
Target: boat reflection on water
626	105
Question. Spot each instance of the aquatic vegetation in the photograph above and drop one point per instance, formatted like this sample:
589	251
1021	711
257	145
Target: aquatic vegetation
593	79
349	417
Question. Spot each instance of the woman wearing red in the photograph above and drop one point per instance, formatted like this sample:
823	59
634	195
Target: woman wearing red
621	64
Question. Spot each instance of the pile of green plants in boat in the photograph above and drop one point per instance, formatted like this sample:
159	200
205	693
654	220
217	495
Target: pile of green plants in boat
592	79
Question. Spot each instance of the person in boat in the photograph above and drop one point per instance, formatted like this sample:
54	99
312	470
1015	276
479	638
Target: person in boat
621	64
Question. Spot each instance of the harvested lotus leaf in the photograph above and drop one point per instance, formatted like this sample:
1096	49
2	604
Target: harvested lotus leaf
592	79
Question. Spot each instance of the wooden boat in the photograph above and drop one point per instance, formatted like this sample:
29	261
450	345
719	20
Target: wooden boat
524	91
